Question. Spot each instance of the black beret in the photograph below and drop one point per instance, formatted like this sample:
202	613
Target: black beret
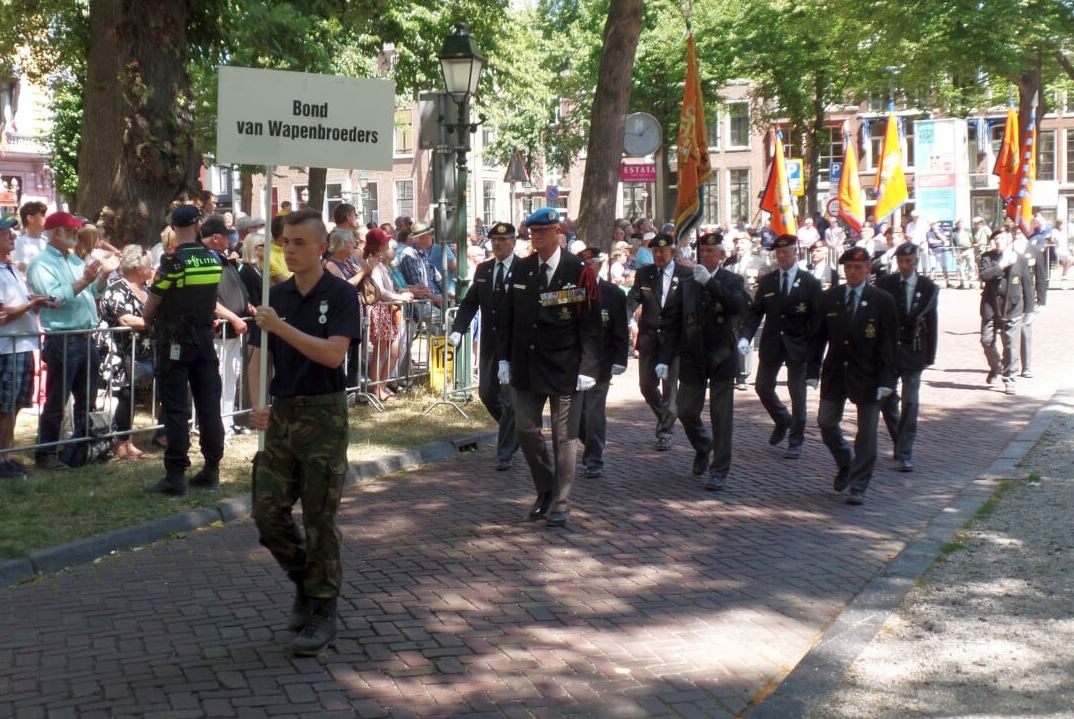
785	241
854	254
906	249
710	239
503	229
662	240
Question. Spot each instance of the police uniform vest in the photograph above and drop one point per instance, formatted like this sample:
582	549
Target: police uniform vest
186	285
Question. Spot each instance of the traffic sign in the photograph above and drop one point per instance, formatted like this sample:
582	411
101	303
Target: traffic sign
835	171
552	192
794	177
833	206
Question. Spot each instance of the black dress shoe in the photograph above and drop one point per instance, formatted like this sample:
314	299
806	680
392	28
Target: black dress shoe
557	519
794	451
540	507
778	433
503	465
663	444
593	472
905	465
840	482
991	376
701	463
715	483
856	496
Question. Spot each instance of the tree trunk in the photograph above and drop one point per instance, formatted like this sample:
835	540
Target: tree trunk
315	187
610	103
246	190
1030	86
813	144
137	117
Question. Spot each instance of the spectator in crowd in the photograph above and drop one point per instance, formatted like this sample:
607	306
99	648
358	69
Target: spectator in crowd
232	305
383	330
90	242
253	259
277	265
835	235
642	254
32	240
982	237
807	234
73	363
449	270
480	230
966	262
618	273
389	229
938	248
821	266
163	248
19	339
207	202
341	263
129	364
345	217
403	224
420	273
1061	243
245	226
285	208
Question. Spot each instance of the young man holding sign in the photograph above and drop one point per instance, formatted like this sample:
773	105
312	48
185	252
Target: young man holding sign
310	321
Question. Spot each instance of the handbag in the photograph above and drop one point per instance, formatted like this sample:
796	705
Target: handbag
368	291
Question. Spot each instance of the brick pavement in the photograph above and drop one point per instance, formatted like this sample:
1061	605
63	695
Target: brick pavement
660	599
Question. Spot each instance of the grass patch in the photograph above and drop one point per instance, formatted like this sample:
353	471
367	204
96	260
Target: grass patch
50	508
950	547
992	503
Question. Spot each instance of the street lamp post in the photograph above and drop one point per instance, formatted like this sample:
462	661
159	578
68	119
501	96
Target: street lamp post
461	63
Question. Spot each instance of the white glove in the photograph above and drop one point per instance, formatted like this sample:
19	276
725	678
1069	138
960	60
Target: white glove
661	371
1040	308
504	373
812	383
882	392
454	338
743	346
618	369
702	275
585	383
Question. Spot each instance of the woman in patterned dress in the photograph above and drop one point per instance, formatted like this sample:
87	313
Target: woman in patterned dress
382	328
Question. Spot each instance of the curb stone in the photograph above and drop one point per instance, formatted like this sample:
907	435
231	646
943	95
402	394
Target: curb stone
821	669
84	551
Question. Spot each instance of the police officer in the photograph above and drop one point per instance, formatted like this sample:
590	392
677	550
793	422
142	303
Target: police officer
713	301
1006	296
614	347
1038	287
859	326
180	311
549	348
309	321
658	291
788	301
489	292
915	306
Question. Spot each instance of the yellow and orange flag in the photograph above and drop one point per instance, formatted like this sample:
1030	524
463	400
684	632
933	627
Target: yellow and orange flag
694	165
1008	160
776	199
851	199
890	177
1021	210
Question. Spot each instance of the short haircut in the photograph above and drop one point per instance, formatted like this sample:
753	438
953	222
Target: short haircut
339	239
277	226
32	208
133	257
307	217
339	215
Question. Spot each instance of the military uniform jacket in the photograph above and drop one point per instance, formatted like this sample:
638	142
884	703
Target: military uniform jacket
484	295
1006	292
1038	271
659	327
614	335
750	268
789	320
918	324
861	350
548	337
711	315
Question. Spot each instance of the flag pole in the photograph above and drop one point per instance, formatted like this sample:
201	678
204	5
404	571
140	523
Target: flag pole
266	280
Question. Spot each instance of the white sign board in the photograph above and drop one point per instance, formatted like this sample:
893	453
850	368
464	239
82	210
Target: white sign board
273	117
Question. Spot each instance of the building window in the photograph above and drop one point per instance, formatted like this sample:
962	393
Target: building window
302	195
370	210
404	131
1069	107
988	207
738	121
488	135
333	195
738	196
1046	155
635	199
997	139
404	198
832	147
907	132
713	130
710	213
1070	156
488	200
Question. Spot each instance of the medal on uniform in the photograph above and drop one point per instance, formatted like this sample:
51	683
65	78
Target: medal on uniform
870	330
801	308
604	317
324	312
564	313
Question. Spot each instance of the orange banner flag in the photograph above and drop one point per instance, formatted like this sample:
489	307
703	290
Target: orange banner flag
851	199
776	199
890	177
1008	160
1022	209
694	165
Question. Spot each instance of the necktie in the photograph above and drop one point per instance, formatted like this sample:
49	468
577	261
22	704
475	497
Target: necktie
498	285
905	299
786	284
852	302
543	279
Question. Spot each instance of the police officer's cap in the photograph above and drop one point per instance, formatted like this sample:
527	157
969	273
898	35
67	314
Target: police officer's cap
785	241
502	229
185	216
543	217
591	253
906	249
710	239
662	240
854	254
213	225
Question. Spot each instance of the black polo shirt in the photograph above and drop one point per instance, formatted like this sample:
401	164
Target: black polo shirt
334	300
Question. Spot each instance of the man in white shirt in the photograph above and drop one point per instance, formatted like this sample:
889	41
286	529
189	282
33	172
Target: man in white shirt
32	240
807	235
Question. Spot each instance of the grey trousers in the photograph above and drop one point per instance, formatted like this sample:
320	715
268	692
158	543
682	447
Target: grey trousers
900	414
1004	361
1027	341
594	425
497	399
721	415
795	420
660	395
553	474
860	461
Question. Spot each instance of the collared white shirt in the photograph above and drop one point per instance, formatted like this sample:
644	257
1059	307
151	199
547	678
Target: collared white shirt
665	280
553	263
791	274
856	291
23	330
506	266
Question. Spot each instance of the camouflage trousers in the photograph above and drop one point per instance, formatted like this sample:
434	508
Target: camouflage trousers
305	457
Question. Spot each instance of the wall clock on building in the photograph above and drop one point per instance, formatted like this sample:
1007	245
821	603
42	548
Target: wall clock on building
642	134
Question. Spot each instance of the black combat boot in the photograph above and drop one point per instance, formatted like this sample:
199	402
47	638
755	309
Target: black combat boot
173	484
207	478
300	609
320	630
